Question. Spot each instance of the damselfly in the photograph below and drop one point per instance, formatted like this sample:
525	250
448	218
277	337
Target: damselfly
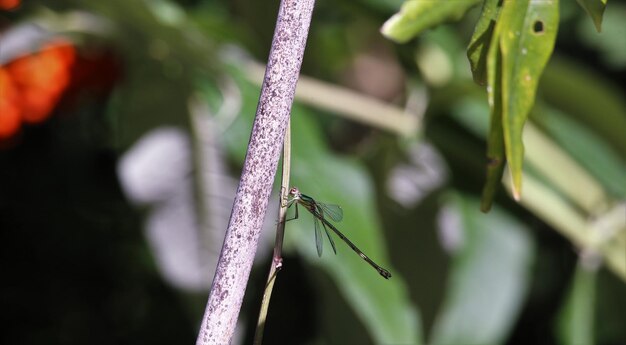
320	211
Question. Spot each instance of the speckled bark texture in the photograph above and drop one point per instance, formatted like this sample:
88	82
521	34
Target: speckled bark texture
240	243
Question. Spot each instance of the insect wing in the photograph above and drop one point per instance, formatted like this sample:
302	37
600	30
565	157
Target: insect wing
330	239
331	211
319	241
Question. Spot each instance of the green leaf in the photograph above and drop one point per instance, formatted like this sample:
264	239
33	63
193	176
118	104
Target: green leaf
595	9
587	148
479	44
495	139
582	95
527	32
575	325
614	55
384	306
416	16
554	167
572	222
489	279
495	163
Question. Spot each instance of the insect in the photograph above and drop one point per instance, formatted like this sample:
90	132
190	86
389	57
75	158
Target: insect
321	212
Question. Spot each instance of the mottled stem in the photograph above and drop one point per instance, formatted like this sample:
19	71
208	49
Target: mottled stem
259	170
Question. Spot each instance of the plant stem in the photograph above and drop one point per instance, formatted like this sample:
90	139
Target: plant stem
277	259
259	170
349	104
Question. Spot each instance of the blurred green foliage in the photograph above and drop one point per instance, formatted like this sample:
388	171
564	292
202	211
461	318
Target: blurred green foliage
518	275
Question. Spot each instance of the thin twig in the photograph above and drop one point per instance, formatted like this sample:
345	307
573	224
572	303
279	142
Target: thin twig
277	259
259	170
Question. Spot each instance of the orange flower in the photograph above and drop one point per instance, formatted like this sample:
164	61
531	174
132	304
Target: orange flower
9	4
41	79
38	81
10	118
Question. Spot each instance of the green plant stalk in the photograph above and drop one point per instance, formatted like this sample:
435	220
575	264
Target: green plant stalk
495	138
563	172
277	260
563	217
349	104
576	319
586	199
